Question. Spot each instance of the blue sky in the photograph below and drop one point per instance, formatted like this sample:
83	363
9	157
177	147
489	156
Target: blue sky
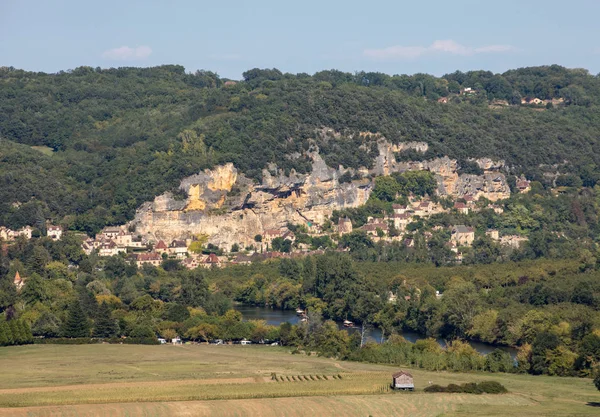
395	37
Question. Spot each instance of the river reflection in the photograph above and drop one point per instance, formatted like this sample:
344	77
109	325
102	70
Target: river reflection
275	317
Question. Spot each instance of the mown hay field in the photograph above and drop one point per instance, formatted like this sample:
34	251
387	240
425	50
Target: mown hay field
52	380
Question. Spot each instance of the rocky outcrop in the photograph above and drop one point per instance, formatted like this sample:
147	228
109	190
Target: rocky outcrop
415	146
279	199
491	184
223	204
488	164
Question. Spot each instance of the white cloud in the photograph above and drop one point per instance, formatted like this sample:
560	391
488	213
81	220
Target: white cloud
125	53
447	46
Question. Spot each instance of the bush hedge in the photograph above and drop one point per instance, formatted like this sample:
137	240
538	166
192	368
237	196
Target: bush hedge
485	387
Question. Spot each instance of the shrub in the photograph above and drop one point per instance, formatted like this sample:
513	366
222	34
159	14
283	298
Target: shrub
471	388
488	387
435	388
453	388
492	387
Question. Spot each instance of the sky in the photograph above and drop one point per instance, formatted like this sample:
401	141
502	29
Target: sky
394	37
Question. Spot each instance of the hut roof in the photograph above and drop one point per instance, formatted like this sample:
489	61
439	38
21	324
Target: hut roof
400	373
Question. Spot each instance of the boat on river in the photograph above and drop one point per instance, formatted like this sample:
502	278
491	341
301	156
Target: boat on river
348	323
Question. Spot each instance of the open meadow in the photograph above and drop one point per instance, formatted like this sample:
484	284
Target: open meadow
201	380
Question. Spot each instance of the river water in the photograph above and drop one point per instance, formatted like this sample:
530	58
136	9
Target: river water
275	317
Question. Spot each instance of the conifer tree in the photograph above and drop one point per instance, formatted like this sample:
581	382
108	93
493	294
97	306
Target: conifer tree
105	325
76	324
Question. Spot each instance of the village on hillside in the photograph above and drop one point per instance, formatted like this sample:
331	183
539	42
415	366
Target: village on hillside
284	243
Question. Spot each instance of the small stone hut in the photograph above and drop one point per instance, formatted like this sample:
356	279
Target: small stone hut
403	381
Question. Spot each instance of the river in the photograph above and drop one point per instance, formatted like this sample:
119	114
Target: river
275	317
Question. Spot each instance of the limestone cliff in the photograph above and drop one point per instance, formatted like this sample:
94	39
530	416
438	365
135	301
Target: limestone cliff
230	208
227	218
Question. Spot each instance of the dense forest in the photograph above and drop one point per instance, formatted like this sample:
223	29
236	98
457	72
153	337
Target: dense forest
86	147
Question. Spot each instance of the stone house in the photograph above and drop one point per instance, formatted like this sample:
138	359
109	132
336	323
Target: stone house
371	228
469	199
401	221
493	234
87	246
190	263
462	235
289	235
54	232
111	232
344	226
123	239
178	249
271	234
161	247
461	207
399	208
151	258
211	260
109	248
523	185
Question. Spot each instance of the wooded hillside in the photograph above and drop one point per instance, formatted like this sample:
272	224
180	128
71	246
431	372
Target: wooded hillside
107	140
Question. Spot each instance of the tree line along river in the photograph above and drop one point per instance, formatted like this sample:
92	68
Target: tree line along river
275	317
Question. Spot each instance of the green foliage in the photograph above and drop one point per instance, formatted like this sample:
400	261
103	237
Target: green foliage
484	387
281	245
177	312
15	332
105	325
142	332
76	324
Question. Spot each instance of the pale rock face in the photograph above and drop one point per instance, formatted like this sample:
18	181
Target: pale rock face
230	208
271	205
417	146
488	164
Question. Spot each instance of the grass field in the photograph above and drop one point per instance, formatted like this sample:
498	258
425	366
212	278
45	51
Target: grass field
130	380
